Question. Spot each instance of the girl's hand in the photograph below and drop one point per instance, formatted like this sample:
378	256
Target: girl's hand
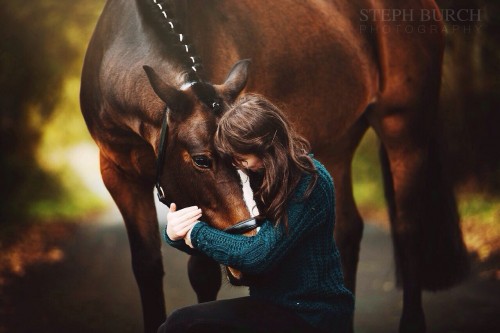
180	222
187	238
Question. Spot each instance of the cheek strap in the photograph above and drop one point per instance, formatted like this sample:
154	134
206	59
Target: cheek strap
161	159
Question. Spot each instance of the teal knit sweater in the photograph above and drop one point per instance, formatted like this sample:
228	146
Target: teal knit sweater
299	269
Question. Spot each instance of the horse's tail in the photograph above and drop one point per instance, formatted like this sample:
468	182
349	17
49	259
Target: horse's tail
442	256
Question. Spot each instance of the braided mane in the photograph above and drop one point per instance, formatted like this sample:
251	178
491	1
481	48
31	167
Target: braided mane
160	15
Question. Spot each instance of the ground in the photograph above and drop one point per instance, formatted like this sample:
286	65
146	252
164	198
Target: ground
77	277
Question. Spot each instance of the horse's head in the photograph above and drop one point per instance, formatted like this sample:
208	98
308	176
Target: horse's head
193	173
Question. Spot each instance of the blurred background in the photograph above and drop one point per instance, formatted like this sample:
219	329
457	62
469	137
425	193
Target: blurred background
51	185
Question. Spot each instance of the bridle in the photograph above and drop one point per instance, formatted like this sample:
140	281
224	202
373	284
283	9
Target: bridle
161	158
244	226
213	104
239	228
193	80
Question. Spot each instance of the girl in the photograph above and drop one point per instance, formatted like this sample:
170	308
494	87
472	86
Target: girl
292	264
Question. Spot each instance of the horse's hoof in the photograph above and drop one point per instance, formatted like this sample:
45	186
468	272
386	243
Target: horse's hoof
412	324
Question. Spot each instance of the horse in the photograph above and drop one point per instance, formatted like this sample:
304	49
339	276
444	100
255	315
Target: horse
337	68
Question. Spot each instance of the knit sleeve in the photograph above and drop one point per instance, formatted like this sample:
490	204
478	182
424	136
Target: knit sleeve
179	244
261	252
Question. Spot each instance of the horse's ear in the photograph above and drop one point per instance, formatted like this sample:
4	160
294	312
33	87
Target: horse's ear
236	80
175	99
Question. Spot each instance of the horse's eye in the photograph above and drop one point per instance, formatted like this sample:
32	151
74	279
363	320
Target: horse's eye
202	161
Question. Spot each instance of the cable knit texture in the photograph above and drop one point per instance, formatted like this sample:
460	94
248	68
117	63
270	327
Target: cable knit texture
299	269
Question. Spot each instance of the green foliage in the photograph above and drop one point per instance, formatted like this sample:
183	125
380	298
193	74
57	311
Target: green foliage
482	208
65	127
470	100
42	44
69	202
366	174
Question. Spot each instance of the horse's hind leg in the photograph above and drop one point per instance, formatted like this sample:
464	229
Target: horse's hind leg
428	246
135	201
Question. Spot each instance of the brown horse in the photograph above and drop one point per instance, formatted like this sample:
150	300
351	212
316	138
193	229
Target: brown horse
336	66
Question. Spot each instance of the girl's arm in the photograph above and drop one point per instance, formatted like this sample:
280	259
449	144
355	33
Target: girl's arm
179	244
259	253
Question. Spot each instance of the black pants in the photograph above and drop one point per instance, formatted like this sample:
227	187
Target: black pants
243	314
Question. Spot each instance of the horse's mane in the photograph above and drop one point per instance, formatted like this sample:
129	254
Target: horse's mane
160	16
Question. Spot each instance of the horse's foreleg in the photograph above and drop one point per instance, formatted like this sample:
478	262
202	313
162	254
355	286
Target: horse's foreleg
349	224
205	277
136	204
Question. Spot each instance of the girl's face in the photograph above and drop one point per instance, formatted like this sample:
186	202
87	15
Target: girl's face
249	161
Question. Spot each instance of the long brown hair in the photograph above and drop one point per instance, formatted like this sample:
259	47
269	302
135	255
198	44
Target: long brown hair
253	125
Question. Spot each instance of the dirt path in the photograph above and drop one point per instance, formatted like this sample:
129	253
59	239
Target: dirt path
89	287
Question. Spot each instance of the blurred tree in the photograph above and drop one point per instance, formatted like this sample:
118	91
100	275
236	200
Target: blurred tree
42	43
470	104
